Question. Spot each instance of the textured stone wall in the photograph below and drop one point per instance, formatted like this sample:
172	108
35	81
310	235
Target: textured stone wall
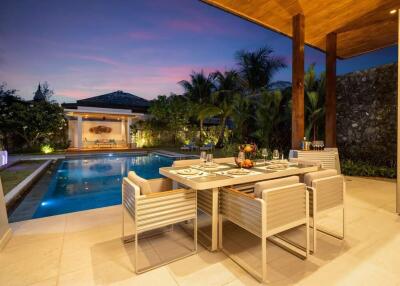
366	115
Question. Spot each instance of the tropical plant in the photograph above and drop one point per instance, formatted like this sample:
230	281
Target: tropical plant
199	88
204	112
34	122
314	88
315	114
267	116
228	91
258	67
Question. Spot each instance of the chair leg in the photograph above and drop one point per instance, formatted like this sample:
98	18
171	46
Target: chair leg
123	224
264	258
136	251
220	230
195	233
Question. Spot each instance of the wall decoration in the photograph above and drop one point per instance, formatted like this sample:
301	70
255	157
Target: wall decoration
100	129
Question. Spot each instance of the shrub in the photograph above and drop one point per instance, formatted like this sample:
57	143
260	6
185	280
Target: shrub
358	168
46	149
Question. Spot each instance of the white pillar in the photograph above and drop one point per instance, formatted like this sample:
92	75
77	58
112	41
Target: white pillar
79	131
128	131
398	116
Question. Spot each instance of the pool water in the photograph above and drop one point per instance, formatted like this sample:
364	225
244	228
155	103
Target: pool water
87	183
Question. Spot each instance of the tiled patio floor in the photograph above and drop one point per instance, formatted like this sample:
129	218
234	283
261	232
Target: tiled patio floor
85	249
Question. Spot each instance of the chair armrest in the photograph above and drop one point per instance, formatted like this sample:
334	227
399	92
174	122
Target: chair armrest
160	184
168	193
239	193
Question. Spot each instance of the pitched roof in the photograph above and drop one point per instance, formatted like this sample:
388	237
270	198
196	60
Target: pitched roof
116	99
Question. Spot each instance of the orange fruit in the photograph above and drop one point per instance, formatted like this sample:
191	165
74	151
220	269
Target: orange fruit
248	148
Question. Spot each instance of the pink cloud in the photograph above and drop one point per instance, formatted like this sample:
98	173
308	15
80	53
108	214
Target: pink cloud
98	59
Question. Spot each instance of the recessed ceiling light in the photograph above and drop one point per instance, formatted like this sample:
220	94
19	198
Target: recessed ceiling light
393	11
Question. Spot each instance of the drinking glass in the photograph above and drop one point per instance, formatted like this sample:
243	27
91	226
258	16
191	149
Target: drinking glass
203	157
240	159
209	159
264	153
275	154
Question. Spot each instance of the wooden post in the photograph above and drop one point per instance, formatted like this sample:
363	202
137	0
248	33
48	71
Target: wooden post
330	100
297	80
398	117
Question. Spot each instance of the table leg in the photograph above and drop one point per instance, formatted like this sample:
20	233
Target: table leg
214	218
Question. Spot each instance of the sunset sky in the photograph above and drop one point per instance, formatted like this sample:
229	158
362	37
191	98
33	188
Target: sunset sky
85	48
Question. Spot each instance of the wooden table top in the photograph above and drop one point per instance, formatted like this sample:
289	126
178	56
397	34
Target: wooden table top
217	180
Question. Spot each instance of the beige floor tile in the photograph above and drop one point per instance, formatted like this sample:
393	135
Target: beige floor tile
85	248
48	282
47	225
86	220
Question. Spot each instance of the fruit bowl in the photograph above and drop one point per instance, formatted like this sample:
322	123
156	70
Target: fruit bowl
246	164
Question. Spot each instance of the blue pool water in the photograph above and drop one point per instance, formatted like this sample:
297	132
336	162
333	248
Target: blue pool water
87	183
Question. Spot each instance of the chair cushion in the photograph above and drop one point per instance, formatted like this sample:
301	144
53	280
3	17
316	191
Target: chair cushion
309	177
261	186
142	183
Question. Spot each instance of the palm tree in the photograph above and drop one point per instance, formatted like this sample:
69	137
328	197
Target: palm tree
228	89
268	115
199	87
258	67
205	112
314	88
315	114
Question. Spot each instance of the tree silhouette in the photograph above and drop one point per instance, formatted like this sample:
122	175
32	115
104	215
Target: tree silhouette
43	92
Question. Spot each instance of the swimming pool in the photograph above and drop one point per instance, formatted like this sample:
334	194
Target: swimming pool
86	183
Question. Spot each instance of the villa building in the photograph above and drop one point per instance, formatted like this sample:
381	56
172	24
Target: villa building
104	121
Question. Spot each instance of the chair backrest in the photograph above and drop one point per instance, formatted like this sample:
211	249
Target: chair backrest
142	183
329	189
329	158
270	184
182	163
224	160
310	177
287	207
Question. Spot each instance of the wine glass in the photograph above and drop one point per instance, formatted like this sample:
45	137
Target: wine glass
209	159
203	157
264	153
275	154
240	159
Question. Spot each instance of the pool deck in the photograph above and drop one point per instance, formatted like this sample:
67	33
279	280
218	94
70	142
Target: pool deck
84	248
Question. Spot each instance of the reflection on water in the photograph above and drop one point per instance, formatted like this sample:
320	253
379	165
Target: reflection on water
81	184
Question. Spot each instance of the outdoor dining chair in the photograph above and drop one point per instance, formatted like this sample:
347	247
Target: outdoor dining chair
153	205
327	192
276	206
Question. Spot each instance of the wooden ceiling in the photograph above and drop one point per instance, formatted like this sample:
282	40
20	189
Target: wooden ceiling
361	25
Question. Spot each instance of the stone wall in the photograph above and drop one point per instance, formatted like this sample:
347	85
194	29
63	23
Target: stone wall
366	115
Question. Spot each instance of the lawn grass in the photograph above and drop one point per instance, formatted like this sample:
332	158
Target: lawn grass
16	173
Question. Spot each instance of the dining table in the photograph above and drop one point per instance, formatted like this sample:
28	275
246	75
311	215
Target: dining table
224	175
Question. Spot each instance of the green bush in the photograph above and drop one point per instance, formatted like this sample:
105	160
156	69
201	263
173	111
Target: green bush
353	168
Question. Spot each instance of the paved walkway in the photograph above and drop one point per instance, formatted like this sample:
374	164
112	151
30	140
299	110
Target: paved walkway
84	248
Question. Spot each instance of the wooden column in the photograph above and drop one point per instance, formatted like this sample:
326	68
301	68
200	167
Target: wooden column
330	100
297	80
398	117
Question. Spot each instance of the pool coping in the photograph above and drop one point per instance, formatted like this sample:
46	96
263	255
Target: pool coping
12	195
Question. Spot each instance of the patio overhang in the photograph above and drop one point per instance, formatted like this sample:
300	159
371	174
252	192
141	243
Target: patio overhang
342	29
361	26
